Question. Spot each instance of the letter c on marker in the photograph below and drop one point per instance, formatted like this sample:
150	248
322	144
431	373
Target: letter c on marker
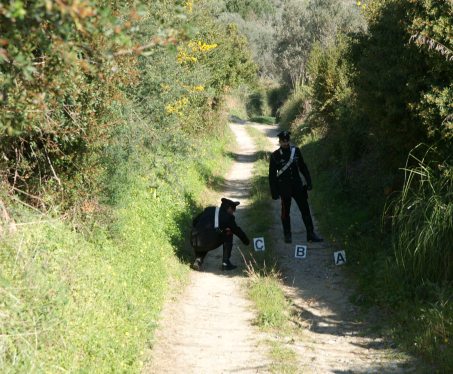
259	244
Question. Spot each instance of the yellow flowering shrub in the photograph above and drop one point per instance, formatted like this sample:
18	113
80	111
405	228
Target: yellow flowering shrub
189	6
177	107
193	51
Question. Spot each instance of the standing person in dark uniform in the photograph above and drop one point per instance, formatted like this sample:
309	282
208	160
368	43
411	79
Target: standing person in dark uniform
285	182
213	227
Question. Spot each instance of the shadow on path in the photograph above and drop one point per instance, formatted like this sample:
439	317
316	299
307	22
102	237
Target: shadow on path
337	337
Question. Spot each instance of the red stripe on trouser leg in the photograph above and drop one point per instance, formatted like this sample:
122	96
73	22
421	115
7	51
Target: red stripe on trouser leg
227	244
286	221
286	206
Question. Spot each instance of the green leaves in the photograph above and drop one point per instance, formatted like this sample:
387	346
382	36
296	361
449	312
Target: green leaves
15	10
68	69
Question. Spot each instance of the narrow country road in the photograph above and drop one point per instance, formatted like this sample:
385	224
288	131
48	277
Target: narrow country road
208	329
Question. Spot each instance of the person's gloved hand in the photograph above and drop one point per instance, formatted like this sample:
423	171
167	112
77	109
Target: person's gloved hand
309	187
246	241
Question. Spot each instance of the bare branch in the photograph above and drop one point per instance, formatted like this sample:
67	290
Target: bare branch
139	49
420	39
51	167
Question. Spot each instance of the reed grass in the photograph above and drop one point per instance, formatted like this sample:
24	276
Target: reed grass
422	221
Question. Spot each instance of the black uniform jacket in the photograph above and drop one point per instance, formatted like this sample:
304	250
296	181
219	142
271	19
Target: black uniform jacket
205	237
290	179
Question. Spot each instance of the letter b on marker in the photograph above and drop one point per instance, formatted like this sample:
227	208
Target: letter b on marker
301	251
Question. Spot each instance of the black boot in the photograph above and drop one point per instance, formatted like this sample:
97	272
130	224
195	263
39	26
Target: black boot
227	265
227	248
313	238
197	264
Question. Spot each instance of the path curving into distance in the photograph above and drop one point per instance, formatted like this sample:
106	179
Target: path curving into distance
208	329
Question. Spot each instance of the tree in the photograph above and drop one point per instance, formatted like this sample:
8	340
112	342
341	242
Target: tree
306	23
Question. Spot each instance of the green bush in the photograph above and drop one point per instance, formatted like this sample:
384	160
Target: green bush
126	130
250	8
276	97
58	77
256	104
91	299
375	95
68	69
293	109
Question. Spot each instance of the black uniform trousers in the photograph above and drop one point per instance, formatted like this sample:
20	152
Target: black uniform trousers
299	194
227	239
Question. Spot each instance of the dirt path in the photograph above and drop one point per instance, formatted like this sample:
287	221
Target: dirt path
332	339
209	328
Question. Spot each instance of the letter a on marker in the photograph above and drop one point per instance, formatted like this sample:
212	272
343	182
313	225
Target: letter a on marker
339	257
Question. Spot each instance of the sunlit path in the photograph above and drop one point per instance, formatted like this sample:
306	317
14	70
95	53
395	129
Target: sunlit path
209	328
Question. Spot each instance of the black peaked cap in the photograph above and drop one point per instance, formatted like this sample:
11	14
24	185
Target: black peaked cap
229	203
284	135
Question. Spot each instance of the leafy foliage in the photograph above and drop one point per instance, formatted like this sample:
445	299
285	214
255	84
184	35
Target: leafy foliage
65	81
378	95
304	24
249	8
58	79
111	114
375	95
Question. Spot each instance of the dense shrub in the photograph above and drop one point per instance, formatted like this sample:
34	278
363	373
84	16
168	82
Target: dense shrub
372	93
250	8
64	82
59	77
257	103
291	112
276	96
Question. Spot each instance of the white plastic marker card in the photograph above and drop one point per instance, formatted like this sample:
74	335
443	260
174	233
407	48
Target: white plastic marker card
339	257
258	244
300	251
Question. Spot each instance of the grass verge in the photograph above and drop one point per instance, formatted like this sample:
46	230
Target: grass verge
263	119
86	296
265	287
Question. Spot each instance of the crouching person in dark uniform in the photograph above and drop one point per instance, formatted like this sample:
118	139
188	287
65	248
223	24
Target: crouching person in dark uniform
213	227
285	182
